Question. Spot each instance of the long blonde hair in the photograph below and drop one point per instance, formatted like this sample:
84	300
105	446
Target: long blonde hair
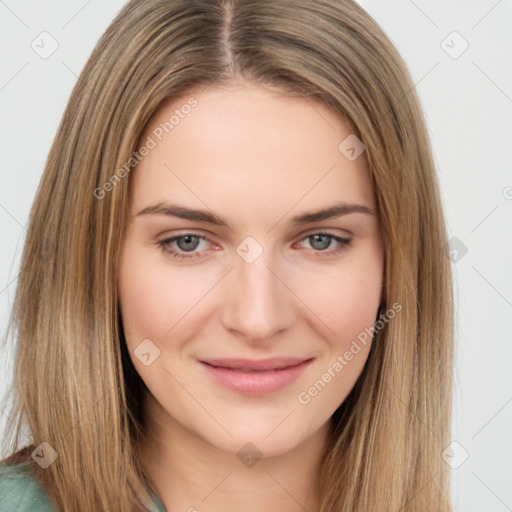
74	385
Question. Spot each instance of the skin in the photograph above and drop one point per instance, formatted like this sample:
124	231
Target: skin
256	158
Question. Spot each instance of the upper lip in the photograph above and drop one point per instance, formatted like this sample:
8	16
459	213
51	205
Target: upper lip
273	363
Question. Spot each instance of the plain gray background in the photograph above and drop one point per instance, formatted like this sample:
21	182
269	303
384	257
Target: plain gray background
460	56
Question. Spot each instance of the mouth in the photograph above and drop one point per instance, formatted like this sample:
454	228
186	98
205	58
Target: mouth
255	377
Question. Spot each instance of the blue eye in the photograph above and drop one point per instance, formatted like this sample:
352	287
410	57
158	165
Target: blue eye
187	243
322	238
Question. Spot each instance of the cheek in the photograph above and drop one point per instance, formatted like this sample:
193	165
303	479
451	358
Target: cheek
347	306
154	298
344	300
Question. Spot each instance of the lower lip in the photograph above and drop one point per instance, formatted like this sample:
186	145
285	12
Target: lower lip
256	383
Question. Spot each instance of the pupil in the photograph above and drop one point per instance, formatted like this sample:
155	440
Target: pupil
186	246
324	245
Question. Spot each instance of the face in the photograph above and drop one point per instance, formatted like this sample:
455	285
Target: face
209	300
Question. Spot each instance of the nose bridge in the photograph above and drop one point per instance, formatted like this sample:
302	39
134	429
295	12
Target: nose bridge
258	303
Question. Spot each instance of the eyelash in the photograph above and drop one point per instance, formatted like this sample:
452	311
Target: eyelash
165	244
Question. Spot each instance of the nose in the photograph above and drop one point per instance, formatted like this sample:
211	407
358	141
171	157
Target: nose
258	303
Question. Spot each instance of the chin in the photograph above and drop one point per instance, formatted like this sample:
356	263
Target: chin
262	440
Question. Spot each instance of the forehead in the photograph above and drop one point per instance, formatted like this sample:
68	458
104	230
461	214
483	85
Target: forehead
246	151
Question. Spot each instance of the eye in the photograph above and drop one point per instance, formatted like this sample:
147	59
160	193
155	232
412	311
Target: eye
321	241
186	243
183	247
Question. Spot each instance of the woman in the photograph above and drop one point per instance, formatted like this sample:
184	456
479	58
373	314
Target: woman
298	355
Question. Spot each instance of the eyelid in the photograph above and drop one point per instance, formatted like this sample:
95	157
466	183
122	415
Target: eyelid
326	231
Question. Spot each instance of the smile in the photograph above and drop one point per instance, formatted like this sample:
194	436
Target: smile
255	378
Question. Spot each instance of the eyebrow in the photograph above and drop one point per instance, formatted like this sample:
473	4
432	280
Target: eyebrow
182	212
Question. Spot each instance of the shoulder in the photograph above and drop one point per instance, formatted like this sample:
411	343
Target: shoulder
20	491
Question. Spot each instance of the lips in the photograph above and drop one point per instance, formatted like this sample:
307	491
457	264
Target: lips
251	365
255	377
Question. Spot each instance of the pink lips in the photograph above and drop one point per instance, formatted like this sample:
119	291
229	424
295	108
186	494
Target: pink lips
253	377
